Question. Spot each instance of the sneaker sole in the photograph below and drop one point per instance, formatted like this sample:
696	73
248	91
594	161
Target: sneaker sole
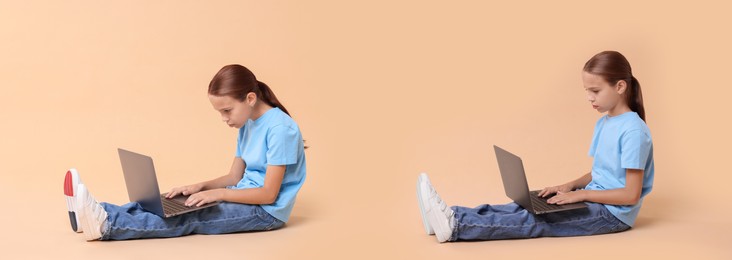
427	228
71	181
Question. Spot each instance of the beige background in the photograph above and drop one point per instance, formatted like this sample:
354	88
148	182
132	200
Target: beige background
382	90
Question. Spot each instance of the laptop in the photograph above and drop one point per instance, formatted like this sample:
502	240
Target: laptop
517	188
142	187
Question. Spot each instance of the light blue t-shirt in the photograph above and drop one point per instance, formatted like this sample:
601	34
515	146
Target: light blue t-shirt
621	142
273	139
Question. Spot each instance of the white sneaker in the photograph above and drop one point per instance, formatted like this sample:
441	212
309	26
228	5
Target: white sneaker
423	200
440	218
92	216
71	183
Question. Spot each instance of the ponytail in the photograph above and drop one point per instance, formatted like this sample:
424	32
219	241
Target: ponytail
635	98
269	97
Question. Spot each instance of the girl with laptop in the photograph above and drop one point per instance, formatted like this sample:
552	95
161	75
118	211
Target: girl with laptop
621	175
257	194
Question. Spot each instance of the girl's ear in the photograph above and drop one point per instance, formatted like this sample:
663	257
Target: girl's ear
621	86
251	99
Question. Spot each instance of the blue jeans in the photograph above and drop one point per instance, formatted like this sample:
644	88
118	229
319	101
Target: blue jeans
508	221
130	221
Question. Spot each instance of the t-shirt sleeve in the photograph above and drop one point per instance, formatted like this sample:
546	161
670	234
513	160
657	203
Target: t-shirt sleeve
635	147
282	145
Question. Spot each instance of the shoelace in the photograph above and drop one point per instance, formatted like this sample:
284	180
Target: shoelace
97	211
443	205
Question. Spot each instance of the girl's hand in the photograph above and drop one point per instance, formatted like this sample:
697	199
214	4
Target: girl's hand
566	197
556	189
185	190
203	197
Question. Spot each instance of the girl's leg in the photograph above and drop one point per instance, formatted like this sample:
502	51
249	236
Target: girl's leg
490	222
130	221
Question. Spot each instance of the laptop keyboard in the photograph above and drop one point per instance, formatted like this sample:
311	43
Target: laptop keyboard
171	206
540	203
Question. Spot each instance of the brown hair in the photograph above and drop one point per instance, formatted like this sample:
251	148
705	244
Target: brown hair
613	67
237	81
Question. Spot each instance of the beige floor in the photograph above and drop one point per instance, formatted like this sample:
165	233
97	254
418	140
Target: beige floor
378	219
382	90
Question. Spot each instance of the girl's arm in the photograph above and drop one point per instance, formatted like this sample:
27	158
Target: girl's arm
579	183
628	195
235	174
266	194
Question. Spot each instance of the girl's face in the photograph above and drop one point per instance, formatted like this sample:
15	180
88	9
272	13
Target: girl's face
602	96
234	113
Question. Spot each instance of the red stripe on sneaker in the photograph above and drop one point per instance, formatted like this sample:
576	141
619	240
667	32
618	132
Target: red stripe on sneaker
68	184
